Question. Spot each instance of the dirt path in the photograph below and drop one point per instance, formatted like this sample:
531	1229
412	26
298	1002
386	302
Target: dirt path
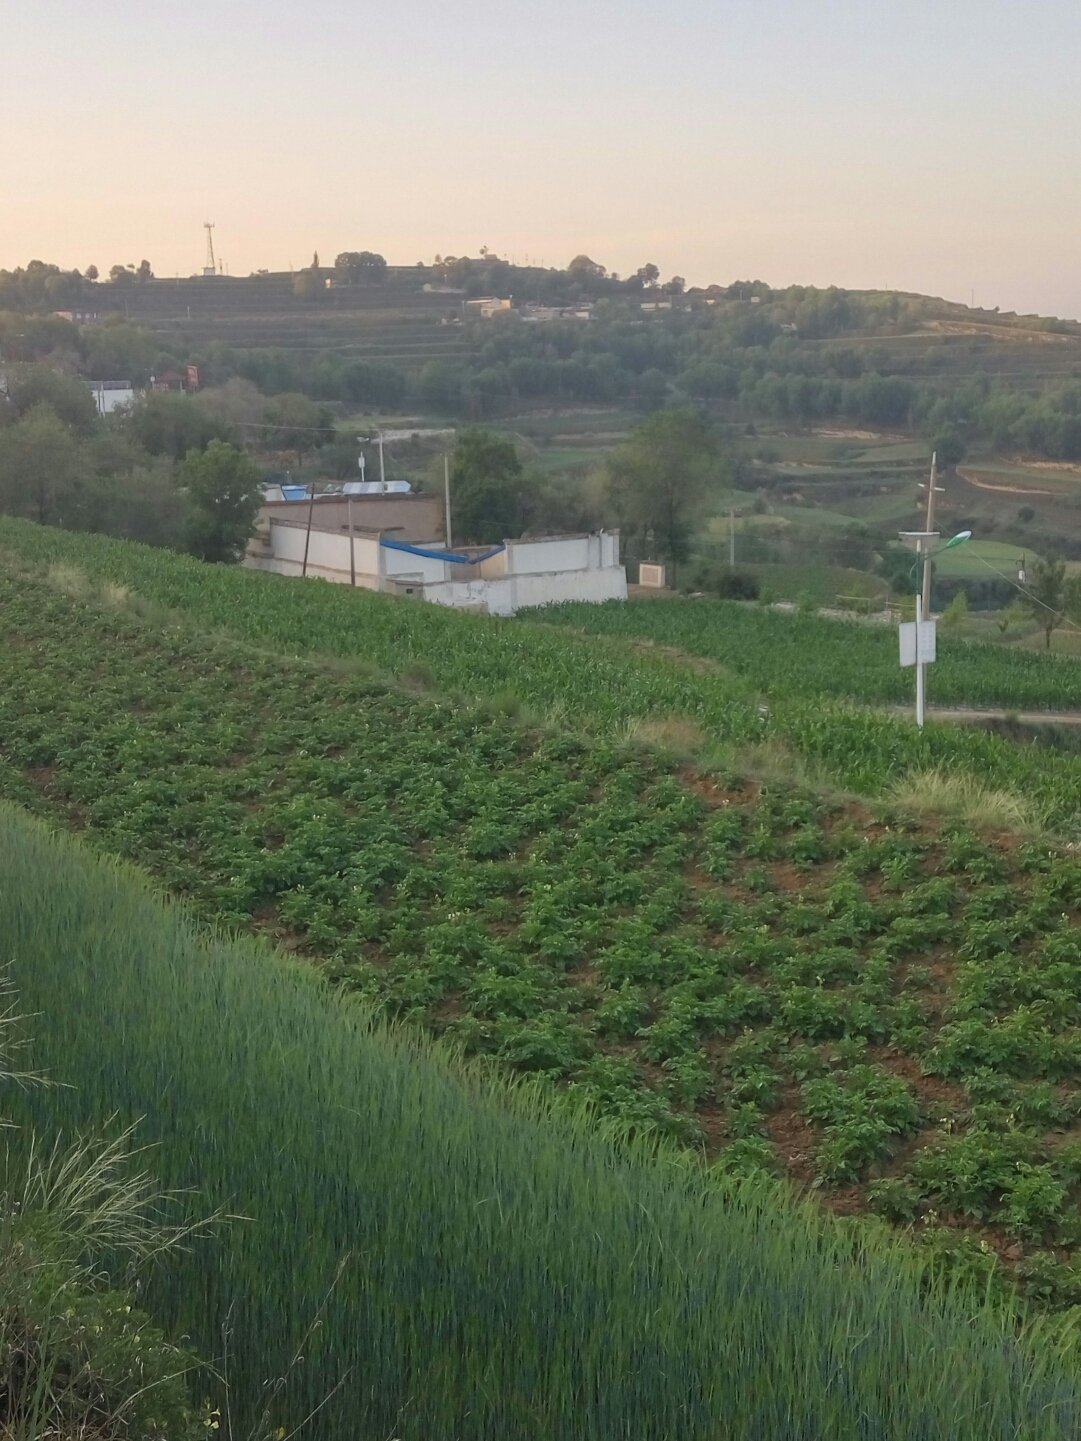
970	479
1026	717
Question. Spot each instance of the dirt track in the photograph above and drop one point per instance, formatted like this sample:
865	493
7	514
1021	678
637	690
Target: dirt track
1026	717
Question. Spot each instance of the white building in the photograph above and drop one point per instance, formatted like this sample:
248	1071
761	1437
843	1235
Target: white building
497	581
110	395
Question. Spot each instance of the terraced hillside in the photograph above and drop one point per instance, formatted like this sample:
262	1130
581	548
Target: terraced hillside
395	321
881	1009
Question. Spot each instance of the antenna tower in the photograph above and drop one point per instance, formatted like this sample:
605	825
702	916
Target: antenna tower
210	267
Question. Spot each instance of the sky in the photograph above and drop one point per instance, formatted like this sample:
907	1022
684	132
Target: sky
926	145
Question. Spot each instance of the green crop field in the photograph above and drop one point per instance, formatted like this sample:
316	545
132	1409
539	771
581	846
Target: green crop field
419	1252
882	1010
983	560
788	656
610	685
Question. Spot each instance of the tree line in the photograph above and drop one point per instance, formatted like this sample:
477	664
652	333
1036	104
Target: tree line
169	471
744	350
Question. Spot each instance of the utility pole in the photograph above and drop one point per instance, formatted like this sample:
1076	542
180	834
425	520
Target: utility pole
382	472
929	526
446	499
732	537
352	547
308	533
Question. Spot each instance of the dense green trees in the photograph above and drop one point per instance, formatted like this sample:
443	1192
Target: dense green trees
225	493
358	267
658	483
165	423
488	497
43	468
799	356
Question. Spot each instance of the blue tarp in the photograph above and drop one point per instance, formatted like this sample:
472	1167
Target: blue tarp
441	554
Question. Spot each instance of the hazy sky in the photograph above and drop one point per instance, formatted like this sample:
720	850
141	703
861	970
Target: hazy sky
928	145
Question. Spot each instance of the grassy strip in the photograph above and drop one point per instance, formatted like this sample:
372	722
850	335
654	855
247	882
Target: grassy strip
508	1274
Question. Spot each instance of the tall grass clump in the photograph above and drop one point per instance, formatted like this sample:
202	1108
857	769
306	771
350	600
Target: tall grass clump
455	1260
935	792
78	1359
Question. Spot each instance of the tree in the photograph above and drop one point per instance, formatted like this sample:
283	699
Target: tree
676	286
225	492
144	272
949	447
167	424
486	488
68	397
43	470
308	284
657	483
122	274
358	267
1047	596
298	424
649	275
957	610
581	267
91	272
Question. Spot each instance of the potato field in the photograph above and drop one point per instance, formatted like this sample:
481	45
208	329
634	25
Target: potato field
887	1013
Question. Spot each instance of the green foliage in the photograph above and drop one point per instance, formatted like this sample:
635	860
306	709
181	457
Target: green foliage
487	489
43	468
360	267
659	481
164	423
225	492
736	585
693	955
406	1203
1047	595
956	613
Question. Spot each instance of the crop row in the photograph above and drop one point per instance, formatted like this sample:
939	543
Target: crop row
792	656
781	982
597	683
419	1252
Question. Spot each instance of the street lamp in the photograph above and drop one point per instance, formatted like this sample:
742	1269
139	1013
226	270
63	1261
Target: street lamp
918	640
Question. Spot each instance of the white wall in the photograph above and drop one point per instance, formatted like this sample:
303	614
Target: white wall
536	557
109	400
420	567
527	573
589	585
328	555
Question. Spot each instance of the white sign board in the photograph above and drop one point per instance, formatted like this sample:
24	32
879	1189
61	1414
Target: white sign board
917	642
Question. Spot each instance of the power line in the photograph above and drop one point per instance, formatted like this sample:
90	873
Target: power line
1009	579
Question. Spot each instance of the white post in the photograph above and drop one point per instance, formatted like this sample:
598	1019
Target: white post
446	499
382	473
919	663
731	536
